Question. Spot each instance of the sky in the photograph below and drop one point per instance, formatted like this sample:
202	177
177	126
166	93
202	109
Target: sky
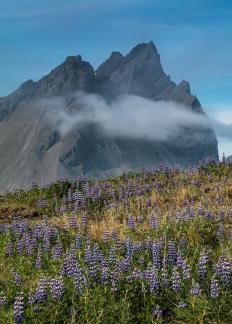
193	38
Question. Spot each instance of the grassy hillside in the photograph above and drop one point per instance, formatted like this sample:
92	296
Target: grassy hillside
153	247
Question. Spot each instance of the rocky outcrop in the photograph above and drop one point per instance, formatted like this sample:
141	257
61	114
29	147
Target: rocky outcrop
32	150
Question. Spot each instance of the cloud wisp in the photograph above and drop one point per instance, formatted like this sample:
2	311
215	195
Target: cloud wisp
127	116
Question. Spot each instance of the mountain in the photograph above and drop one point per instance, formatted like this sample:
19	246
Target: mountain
33	150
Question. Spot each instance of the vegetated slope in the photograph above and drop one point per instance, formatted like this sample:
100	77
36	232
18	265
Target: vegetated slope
34	150
151	247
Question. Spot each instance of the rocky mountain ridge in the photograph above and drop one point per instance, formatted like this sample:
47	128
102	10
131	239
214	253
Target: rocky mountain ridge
32	150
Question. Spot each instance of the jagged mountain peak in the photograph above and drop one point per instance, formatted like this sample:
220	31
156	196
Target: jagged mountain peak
72	75
185	86
148	49
116	55
136	73
73	59
105	70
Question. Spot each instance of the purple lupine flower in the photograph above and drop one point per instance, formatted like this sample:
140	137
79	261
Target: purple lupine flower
230	216
164	277
105	236
202	264
135	275
172	252
84	220
114	277
148	243
20	246
92	269
46	242
57	288
214	288
27	244
196	289
112	254
104	275
3	299
156	253
80	280
57	250
152	221
18	308
17	277
182	243
181	304
182	263
38	262
200	211
39	203
78	241
220	232
158	311
31	298
221	215
129	246
41	291
9	248
73	221
3	228
223	268
88	239
44	202
152	277
131	223
114	236
176	280
71	262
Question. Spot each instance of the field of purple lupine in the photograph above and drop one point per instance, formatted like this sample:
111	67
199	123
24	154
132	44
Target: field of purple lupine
148	247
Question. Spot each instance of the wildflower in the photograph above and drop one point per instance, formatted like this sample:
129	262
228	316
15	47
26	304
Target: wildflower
79	280
182	243
195	290
73	222
57	288
152	221
176	280
214	288
105	236
78	241
18	309
172	252
220	232
158	311
38	262
17	278
202	264
164	277
181	304
41	292
151	275
131	223
9	248
223	268
3	299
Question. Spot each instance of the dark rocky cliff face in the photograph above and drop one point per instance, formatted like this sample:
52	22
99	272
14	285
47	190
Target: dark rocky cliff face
32	150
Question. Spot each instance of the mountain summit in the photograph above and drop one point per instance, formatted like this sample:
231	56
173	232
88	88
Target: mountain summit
33	150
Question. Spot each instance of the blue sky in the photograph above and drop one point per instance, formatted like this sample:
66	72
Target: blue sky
193	38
